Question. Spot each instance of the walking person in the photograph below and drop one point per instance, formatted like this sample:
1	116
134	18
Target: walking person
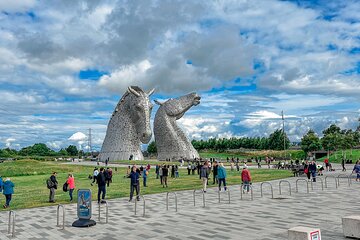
173	171
326	161
101	181
189	168
52	185
204	175
356	170
144	175
246	179
165	172
221	175
343	164
176	171
95	174
306	170
134	184
215	172
157	171
161	174
8	191
312	170
71	183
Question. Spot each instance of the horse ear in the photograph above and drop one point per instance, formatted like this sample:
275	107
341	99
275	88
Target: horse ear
133	91
157	102
151	92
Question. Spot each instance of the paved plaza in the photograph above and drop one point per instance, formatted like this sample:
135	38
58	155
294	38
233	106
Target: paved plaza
263	218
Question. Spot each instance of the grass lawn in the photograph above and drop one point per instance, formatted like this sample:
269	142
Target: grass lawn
336	156
29	177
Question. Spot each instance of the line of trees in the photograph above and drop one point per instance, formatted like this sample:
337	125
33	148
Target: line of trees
40	149
334	139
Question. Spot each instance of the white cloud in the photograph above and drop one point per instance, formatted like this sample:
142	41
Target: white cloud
78	136
9	141
16	5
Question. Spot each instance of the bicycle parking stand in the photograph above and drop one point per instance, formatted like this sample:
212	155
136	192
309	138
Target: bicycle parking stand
11	226
219	192
307	184
345	175
167	201
203	193
242	189
284	181
106	212
58	216
140	196
271	187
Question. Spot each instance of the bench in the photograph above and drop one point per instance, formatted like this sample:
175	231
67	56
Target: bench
297	170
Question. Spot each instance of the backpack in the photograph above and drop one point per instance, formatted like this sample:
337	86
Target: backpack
65	187
49	183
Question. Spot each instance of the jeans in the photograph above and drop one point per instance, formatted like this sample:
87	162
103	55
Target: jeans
71	194
313	174
215	179
246	185
8	199
136	188
165	180
101	189
52	195
144	181
220	181
204	182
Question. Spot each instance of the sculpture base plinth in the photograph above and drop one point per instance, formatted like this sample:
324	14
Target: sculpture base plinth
84	223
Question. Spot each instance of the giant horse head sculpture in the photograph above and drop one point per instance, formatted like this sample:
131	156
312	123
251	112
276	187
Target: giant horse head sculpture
128	127
171	142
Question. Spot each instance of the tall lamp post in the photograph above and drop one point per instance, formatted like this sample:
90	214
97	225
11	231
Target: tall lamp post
283	122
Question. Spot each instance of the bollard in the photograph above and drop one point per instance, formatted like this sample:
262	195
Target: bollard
271	187
284	182
301	179
58	216
11	229
304	233
138	196
167	201
106	212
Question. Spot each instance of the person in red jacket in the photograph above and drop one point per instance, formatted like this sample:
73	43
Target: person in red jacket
246	179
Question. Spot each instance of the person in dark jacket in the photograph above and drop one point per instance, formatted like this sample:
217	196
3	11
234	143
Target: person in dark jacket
312	170
54	186
101	181
134	183
215	172
8	187
204	175
165	172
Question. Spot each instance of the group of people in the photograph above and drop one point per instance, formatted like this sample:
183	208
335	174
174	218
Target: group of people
7	188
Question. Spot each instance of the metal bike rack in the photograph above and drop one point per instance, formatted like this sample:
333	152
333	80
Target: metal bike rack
11	227
58	216
347	176
167	201
242	189
203	193
106	212
284	181
307	184
144	204
228	191
326	182
271	187
322	183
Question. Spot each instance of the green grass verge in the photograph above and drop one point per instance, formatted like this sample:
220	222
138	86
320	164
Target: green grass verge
29	177
336	157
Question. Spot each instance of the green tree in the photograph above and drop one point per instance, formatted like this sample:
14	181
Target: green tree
152	148
72	150
38	149
276	140
63	152
310	142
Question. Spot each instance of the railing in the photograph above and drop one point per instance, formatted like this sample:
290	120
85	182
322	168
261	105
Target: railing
203	193
138	196
242	189
167	201
228	191
271	187
347	176
284	181
58	216
11	227
307	184
106	212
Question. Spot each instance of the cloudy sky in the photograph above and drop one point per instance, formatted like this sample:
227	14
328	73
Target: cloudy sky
65	64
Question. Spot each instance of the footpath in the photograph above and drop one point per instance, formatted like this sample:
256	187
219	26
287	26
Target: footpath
263	218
